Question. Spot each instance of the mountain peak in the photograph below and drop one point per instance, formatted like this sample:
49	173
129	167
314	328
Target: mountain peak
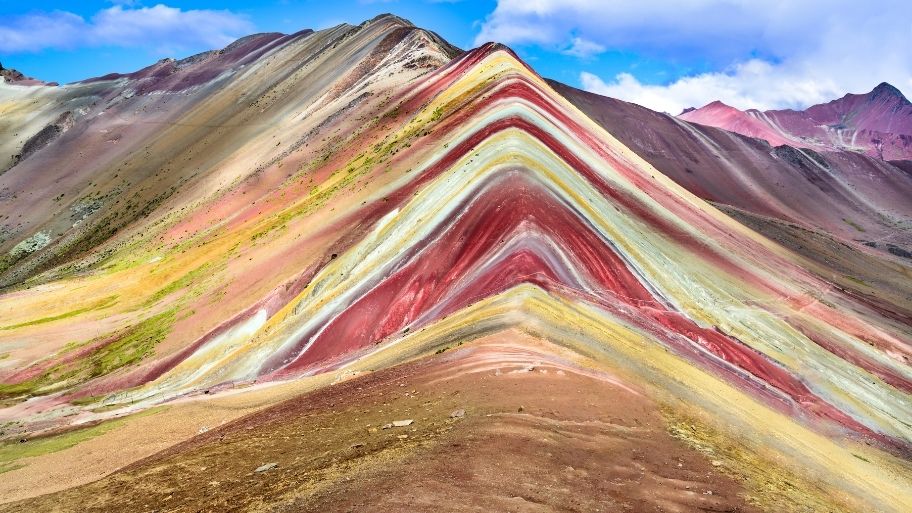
888	91
389	17
717	104
875	123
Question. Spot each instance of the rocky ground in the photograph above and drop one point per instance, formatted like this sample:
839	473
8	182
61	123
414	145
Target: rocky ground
482	436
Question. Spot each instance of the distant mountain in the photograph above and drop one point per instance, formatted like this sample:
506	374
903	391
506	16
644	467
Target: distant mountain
16	77
11	75
878	123
737	168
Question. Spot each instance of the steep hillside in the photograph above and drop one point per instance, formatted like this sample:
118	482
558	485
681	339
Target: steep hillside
446	259
842	193
125	145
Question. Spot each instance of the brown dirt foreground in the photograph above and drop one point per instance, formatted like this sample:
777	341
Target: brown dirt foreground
537	434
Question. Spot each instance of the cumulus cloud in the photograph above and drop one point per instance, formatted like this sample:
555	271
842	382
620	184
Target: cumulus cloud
754	84
774	54
157	27
584	48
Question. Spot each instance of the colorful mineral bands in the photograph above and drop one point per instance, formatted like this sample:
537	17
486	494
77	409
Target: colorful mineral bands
478	200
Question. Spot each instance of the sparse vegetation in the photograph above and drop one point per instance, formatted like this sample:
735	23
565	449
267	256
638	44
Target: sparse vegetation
179	284
13	451
853	224
111	353
137	343
770	486
104	303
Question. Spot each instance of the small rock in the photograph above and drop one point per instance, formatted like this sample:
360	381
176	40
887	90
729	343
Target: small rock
520	409
386	426
402	423
716	463
357	445
402	437
267	466
457	414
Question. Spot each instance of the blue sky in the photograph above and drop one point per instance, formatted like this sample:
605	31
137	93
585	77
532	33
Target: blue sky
665	54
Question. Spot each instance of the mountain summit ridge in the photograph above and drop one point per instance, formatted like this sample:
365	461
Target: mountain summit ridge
885	88
877	123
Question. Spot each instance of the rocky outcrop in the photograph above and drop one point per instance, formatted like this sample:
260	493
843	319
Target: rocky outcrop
11	75
46	135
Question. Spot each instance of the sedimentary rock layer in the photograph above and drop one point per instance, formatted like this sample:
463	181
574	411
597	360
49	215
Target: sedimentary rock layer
398	209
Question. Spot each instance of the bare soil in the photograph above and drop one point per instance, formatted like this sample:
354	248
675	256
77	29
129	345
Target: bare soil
537	434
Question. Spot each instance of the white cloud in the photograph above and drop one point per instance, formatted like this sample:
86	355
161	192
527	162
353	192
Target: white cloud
583	48
774	54
153	27
754	84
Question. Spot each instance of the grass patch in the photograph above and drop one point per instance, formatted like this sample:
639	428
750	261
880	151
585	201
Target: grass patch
855	280
87	400
138	343
125	348
104	303
853	224
6	467
178	284
862	458
12	451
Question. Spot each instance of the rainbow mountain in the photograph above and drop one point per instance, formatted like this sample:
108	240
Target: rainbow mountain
313	268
